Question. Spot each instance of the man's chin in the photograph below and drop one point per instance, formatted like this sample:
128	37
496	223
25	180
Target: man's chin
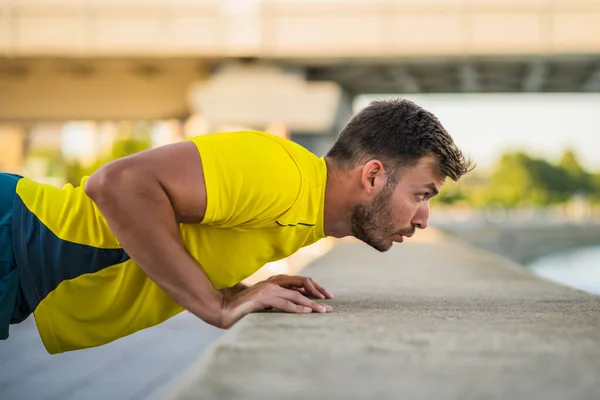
386	248
379	246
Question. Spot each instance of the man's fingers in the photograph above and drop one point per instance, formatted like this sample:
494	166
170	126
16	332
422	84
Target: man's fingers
287	306
311	290
299	290
323	290
293	282
314	289
288	280
298	298
288	300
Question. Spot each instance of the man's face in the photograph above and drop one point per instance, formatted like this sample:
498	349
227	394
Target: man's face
395	212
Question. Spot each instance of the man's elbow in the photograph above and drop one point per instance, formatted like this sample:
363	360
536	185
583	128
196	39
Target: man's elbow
105	181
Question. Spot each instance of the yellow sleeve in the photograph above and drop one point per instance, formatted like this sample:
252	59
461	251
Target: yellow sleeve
251	178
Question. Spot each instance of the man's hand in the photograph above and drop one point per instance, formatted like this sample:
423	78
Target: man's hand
266	295
229	292
306	286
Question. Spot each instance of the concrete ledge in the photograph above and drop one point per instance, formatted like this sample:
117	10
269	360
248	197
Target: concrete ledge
430	319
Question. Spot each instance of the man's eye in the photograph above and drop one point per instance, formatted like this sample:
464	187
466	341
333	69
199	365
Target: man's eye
422	196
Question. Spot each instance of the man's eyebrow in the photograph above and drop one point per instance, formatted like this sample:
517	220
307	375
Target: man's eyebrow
433	188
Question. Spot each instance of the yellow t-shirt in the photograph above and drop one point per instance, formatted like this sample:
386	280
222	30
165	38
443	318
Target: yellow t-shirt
265	200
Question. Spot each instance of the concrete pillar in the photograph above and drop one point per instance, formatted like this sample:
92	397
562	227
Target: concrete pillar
12	148
261	96
320	144
43	159
278	129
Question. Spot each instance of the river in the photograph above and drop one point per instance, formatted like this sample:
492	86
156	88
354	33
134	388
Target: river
578	268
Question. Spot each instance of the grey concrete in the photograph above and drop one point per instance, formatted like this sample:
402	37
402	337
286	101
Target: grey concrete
431	319
135	367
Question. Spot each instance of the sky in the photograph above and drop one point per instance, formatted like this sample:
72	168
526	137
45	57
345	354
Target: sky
486	125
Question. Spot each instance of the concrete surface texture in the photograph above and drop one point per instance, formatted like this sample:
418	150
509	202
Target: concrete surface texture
430	319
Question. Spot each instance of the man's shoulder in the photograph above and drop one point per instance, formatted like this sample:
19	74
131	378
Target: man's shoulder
238	137
254	175
244	138
261	146
251	160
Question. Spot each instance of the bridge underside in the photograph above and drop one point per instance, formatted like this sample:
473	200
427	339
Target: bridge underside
148	88
464	75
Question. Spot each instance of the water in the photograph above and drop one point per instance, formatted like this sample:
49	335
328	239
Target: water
578	268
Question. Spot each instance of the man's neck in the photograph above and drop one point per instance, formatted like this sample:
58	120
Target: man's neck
338	202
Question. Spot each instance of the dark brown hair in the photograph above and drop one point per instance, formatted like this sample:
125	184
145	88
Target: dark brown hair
398	133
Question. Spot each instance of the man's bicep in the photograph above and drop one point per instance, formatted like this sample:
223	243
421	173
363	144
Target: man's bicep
177	168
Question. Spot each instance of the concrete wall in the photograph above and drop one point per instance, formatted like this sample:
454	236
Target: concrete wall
431	319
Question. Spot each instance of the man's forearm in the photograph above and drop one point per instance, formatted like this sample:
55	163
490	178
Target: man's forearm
140	216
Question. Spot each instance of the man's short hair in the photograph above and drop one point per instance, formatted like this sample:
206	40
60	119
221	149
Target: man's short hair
398	133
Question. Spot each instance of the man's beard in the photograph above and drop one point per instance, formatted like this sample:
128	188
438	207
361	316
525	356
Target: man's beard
373	223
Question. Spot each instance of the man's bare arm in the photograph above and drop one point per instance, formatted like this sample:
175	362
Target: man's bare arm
144	197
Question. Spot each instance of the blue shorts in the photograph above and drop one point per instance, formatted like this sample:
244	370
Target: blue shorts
12	308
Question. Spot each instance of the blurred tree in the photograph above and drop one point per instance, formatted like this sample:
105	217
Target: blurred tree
552	183
461	191
511	182
450	193
128	146
581	181
123	147
519	179
51	161
596	187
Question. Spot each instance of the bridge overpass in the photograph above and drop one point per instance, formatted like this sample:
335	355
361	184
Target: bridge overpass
253	62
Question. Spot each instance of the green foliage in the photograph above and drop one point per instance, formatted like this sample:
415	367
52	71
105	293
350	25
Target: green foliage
124	147
581	180
595	179
128	146
518	179
52	157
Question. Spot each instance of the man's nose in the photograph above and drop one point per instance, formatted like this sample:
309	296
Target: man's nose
421	218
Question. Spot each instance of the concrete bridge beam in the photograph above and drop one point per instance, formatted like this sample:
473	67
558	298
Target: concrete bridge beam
592	83
535	77
87	89
469	78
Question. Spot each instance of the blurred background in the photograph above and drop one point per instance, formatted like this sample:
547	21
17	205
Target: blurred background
516	82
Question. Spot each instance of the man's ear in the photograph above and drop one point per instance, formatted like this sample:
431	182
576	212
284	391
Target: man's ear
373	176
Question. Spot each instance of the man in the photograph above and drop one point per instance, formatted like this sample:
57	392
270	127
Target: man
180	226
